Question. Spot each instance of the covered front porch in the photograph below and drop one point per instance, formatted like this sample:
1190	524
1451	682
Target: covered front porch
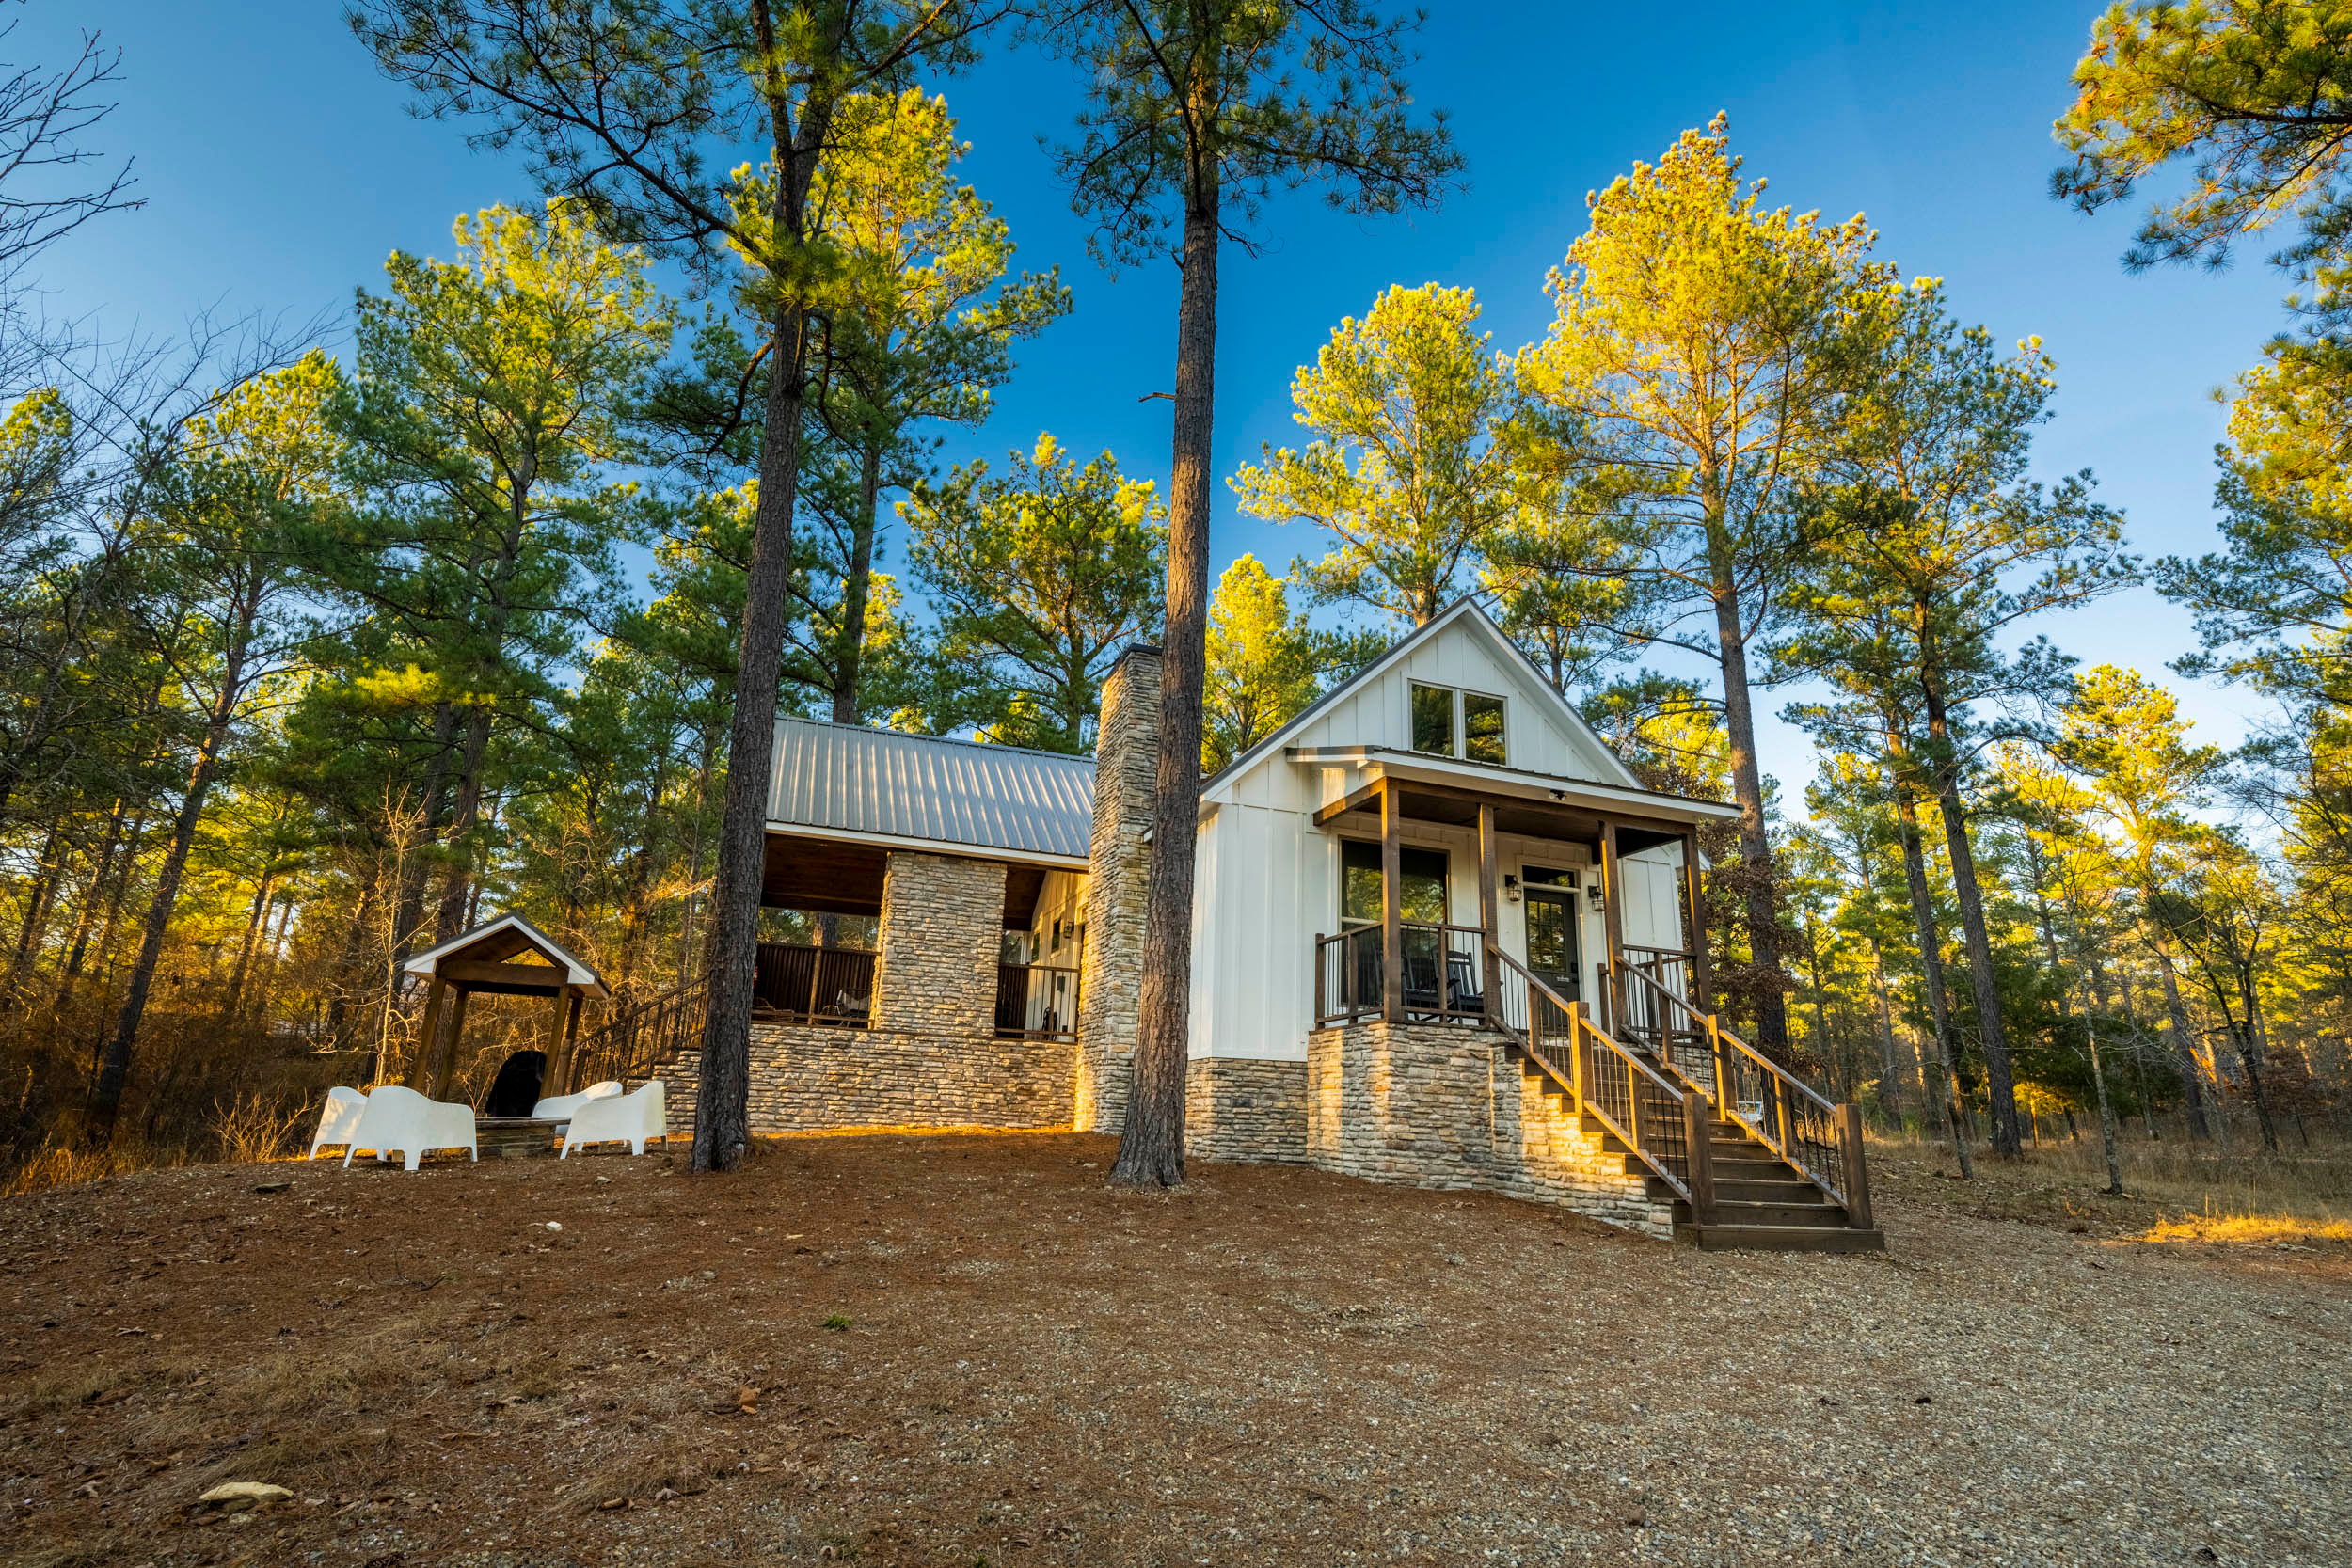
1448	881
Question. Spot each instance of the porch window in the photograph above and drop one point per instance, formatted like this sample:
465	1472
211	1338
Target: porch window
1421	887
1448	722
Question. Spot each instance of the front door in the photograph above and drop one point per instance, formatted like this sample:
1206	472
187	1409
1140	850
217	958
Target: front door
1552	948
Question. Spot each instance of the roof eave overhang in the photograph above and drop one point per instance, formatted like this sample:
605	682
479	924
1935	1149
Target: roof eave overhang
1376	761
932	846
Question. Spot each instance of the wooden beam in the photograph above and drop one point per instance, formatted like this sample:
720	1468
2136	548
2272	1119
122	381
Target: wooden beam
1701	981
1391	906
1490	973
428	1035
531	979
1356	802
1611	893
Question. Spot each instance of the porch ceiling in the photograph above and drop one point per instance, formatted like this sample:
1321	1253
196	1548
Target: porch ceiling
831	876
1422	802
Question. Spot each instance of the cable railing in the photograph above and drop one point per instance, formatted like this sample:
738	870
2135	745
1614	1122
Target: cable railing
1648	1111
815	985
1438	980
1794	1119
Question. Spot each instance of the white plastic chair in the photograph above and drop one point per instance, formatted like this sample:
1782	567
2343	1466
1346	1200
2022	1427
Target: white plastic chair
634	1119
560	1107
341	1115
402	1120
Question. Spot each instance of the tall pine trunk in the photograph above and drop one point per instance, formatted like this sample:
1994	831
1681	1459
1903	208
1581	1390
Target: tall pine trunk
1747	789
857	587
1999	1079
2176	1021
1942	1091
723	1104
114	1070
1151	1143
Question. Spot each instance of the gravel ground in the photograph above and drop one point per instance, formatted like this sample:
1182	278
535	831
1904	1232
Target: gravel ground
962	1351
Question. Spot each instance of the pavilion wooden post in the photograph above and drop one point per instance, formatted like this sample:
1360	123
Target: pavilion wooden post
1702	983
559	1075
1391	905
445	1060
1612	894
1490	973
428	1035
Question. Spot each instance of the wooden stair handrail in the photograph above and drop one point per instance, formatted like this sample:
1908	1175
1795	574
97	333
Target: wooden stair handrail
1699	1024
1841	1186
1578	1021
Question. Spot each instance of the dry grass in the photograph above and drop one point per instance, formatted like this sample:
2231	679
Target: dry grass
2173	1180
66	1165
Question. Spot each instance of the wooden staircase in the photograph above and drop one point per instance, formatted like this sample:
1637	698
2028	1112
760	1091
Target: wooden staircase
1783	1173
1763	1202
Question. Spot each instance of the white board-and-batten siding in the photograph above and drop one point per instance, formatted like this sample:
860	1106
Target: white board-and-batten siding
1267	879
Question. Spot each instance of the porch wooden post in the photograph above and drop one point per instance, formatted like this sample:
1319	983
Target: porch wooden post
428	1035
1696	1130
1612	987
445	1061
1701	981
1857	1172
1490	973
1391	906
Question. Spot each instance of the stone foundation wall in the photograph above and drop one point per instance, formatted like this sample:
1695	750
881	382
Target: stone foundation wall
1244	1111
806	1079
1424	1105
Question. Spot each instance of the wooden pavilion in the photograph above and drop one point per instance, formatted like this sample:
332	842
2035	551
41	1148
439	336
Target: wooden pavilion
505	957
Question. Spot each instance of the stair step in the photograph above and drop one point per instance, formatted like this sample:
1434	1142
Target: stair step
1760	1167
1811	1215
1790	1191
1779	1238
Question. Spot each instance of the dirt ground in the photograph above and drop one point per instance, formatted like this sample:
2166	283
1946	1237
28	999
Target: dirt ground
959	1351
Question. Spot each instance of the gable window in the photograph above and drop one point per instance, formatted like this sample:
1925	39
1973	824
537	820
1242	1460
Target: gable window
1482	728
1453	724
1433	720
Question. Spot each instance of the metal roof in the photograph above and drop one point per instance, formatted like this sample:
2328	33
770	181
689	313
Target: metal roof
847	780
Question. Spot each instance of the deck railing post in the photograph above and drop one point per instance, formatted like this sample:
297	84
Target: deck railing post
1695	1129
1857	1172
1575	1047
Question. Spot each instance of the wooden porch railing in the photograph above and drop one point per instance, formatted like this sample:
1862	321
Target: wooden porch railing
1037	1002
1441	982
628	1048
816	984
1648	1112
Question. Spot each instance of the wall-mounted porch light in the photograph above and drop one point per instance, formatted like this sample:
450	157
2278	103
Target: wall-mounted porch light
1592	891
1511	887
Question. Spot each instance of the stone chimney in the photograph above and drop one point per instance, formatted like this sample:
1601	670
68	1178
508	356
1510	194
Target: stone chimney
1110	979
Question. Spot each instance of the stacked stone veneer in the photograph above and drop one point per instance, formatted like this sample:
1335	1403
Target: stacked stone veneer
1427	1105
942	920
1248	1112
931	1058
1110	979
806	1079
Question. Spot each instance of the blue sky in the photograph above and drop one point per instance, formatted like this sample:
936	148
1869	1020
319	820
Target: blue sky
280	169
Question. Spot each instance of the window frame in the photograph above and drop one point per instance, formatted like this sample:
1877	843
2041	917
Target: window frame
1458	739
